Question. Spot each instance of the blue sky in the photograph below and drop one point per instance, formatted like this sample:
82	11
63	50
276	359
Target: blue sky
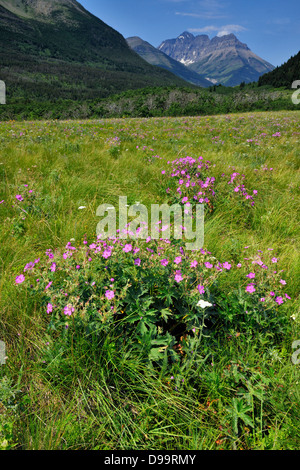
271	28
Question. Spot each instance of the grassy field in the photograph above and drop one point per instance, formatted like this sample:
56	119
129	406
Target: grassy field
113	352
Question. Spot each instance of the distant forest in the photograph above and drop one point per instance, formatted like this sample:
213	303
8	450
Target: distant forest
155	102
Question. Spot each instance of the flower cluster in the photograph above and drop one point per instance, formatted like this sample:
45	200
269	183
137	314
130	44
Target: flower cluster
191	182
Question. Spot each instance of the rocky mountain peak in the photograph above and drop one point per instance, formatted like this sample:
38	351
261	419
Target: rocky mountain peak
218	59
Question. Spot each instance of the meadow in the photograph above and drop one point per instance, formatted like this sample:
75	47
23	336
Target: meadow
138	344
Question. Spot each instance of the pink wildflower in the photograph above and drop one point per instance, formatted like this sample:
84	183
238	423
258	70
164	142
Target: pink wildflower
127	248
109	294
208	265
226	265
53	268
69	309
49	308
251	275
106	254
20	279
178	276
201	289
250	288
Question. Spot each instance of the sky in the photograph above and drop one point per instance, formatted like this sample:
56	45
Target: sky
270	28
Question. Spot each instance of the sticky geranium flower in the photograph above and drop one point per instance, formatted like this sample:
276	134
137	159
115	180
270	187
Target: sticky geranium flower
283	282
127	248
49	308
106	254
194	264
49	254
250	289
279	300
69	309
48	286
164	262
109	294
226	265
208	265
251	275
274	260
20	279
177	260
178	276
53	267
201	289
29	266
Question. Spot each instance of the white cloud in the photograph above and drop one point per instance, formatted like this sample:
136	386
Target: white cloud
220	30
204	15
208	9
230	28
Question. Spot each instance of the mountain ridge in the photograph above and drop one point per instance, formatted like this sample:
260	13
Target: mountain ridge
158	58
42	9
224	59
283	75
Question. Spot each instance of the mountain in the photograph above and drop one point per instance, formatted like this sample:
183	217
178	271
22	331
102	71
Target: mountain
284	75
56	49
223	59
156	57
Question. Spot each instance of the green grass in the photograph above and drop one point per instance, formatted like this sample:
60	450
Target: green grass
241	391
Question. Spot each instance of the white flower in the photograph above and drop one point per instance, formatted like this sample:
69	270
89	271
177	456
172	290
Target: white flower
81	207
203	304
293	317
